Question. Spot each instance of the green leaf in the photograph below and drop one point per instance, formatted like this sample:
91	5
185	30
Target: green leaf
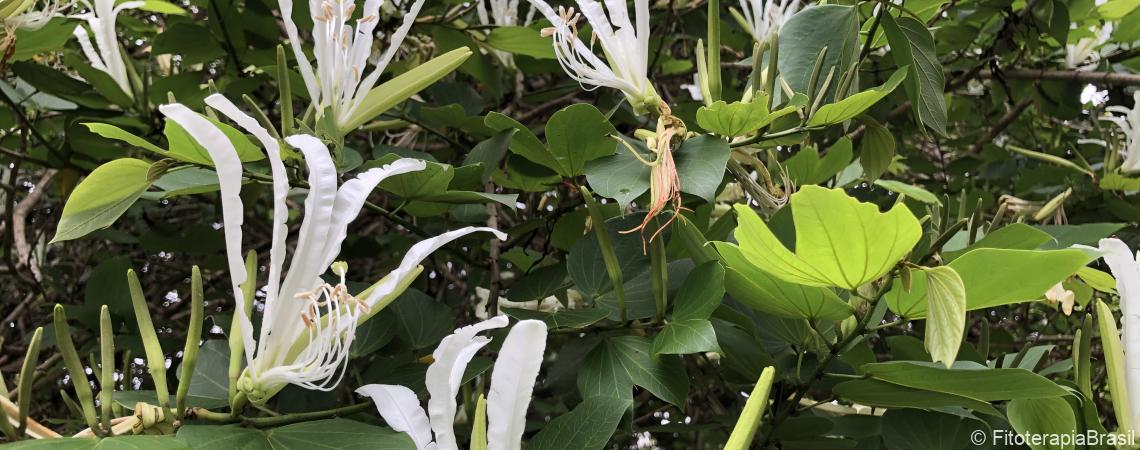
801	42
587	427
1017	236
976	381
701	294
162	7
761	291
741	118
111	443
328	433
913	46
524	143
909	190
420	320
1117	182
113	132
1065	236
211	374
888	395
418	185
393	92
912	428
490	152
840	242
946	319
53	36
185	148
806	167
565	319
621	176
855	104
616	364
1043	417
520	41
876	149
1021	275
102	197
576	135
700	165
685	336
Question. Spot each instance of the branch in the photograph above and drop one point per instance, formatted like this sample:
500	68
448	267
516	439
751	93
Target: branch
998	127
1112	78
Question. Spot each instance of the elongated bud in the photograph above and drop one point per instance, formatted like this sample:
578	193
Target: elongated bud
86	400
237	347
155	360
1114	359
286	92
609	256
28	377
106	366
745	429
193	335
479	429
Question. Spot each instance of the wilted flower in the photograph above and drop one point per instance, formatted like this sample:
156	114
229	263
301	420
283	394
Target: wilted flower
105	55
515	372
765	17
338	85
308	325
1130	125
626	48
1058	294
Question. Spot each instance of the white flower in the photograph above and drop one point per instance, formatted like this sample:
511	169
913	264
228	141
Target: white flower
503	13
338	84
511	387
105	55
625	46
1126	270
308	325
1076	55
21	14
765	17
549	304
1130	125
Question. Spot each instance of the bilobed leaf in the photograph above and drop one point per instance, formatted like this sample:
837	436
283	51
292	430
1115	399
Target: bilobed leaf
1024	275
855	104
946	316
587	427
523	143
1042	417
682	337
912	45
806	167
976	382
577	134
700	165
616	364
762	291
520	41
840	242
701	294
102	197
741	118
620	176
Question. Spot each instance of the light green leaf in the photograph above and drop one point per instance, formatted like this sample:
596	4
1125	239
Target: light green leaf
187	149
1043	417
855	104
912	45
995	277
1117	182
162	7
383	97
102	197
946	319
113	132
576	135
909	190
840	242
328	433
521	41
682	337
741	118
761	291
806	167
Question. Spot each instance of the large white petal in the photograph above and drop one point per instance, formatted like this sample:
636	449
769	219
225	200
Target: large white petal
416	254
1124	267
307	74
446	374
401	409
280	190
512	384
351	197
229	170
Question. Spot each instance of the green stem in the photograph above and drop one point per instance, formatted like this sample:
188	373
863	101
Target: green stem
285	419
609	256
237	346
286	92
659	266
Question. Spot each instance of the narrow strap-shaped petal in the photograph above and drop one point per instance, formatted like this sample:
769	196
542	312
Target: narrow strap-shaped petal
229	170
446	374
416	254
307	74
394	43
351	197
280	190
401	409
512	384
